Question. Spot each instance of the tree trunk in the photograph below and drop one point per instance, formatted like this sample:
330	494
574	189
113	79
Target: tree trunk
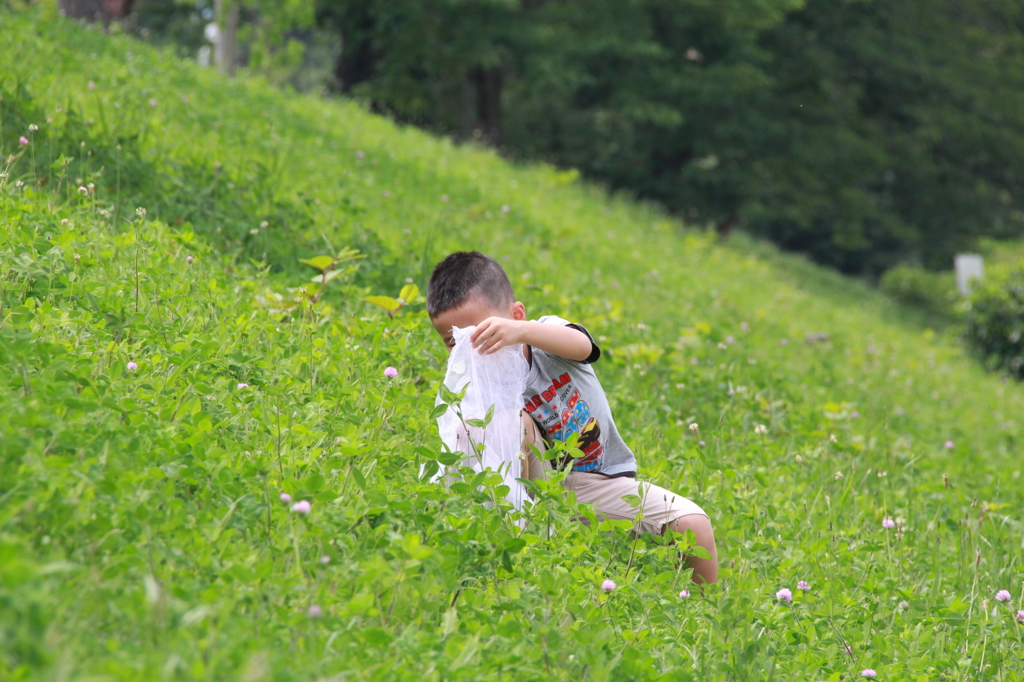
118	9
357	59
226	49
97	10
467	108
725	225
488	104
89	10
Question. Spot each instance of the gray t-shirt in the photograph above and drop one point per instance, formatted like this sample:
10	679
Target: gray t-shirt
565	397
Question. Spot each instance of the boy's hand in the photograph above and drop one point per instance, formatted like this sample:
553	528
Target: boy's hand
495	333
563	341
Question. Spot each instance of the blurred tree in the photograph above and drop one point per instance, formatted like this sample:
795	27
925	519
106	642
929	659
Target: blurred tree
440	64
657	99
864	133
90	10
464	66
225	53
169	22
265	28
266	36
96	10
895	131
861	132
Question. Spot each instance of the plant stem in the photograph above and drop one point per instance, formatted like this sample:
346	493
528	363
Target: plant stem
280	463
136	227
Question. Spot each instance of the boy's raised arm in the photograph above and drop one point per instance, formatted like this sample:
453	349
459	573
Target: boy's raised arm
498	332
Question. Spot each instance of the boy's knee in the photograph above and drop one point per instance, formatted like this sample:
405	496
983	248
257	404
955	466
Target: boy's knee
705	571
698	523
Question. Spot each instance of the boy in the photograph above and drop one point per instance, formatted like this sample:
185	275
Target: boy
563	396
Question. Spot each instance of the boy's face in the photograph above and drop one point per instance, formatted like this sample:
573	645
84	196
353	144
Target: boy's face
471	313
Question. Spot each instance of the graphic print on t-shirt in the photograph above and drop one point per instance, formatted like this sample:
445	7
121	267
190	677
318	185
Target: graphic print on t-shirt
561	413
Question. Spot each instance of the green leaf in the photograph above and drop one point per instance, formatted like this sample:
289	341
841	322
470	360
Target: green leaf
386	302
348	254
449	396
358	477
690	538
429	469
425	452
449	622
376	637
513	545
336	273
319	262
699	552
410	293
438	410
449	458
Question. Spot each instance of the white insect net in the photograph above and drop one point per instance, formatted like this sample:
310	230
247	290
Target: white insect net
497	379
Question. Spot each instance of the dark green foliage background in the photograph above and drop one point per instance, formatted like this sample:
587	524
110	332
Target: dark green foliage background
994	321
864	134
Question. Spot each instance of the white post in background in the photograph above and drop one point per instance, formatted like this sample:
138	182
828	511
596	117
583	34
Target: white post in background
968	266
212	35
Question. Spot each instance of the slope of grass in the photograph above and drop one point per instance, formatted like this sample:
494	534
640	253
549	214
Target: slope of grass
142	532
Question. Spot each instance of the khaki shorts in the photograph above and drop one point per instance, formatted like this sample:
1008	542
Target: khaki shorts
658	506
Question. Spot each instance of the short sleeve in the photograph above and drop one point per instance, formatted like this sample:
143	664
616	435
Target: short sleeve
595	350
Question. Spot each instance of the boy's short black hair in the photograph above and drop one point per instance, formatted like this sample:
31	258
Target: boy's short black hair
464	274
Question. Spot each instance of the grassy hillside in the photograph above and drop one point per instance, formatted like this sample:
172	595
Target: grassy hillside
164	380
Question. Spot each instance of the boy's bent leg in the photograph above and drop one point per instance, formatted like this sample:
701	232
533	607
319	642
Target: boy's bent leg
667	511
659	509
705	571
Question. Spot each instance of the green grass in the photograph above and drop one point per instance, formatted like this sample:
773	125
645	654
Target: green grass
141	531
